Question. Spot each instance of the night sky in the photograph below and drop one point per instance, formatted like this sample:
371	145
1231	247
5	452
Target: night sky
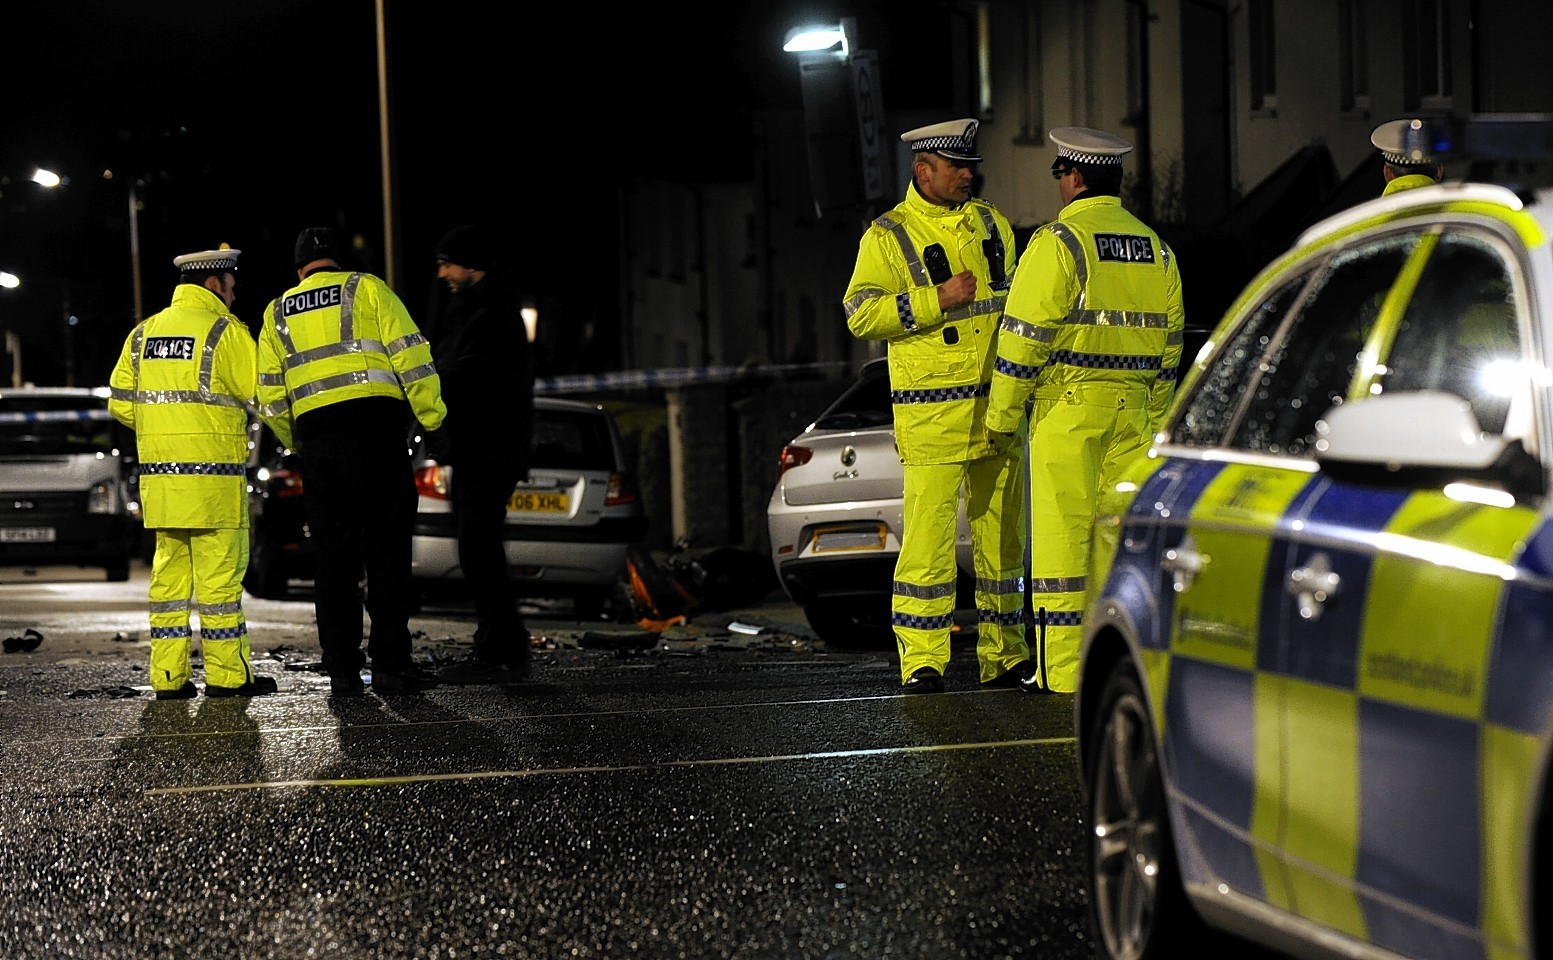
245	121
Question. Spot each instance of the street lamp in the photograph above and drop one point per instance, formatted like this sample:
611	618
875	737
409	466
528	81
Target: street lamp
842	108
13	346
49	179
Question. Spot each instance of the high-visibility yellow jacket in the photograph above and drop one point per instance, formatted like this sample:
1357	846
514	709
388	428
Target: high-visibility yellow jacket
337	336
940	364
184	382
1097	299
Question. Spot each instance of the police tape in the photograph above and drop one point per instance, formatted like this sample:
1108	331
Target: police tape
673	377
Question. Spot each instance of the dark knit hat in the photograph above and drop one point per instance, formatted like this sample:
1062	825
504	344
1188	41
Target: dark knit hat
468	246
315	243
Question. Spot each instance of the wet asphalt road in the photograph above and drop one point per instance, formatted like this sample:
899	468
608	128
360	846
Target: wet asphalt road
699	793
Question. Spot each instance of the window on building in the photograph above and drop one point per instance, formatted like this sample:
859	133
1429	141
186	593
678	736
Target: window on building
1354	64
1426	67
1263	62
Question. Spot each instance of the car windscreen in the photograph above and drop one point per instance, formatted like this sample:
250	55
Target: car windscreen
33	426
864	404
564	440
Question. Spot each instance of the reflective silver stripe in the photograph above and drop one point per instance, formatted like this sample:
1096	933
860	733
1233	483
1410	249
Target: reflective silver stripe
208	357
1065	233
281	329
418	373
272	379
913	262
186	396
277	409
1176	336
975	308
1118	318
348	307
170	606
1028	330
1057	584
343	348
863	296
931	591
220	609
342	380
406	342
119	393
1007	585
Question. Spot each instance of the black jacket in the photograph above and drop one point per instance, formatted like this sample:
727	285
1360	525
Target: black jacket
484	359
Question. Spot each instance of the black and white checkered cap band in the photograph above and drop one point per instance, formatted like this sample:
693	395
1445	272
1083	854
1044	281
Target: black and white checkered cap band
1403	160
957	144
1079	156
225	263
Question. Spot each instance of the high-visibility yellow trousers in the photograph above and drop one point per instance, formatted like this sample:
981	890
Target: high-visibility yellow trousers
199	571
922	600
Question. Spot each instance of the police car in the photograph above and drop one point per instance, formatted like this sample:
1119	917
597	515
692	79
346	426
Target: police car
1318	658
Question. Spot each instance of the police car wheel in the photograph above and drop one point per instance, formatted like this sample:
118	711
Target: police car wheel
1136	901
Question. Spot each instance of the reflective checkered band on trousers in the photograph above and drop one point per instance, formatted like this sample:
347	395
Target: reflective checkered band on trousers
1010	619
1103	361
1168	374
193	469
940	394
1059	618
223	633
1019	371
170	633
915	622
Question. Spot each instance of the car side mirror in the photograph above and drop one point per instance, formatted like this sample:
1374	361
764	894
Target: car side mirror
1421	438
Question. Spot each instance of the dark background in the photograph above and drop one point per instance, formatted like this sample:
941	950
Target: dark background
245	122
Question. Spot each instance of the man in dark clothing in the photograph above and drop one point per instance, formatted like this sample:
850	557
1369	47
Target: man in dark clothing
482	354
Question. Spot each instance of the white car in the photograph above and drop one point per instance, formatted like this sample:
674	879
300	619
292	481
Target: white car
834	517
568	525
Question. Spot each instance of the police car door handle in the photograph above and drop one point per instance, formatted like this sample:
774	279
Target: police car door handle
1313	585
1183	563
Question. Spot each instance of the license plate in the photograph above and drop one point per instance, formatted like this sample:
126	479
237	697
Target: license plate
26	534
839	539
528	501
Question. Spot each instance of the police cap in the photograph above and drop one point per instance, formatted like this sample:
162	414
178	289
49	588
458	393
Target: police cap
1087	145
1403	143
220	260
954	139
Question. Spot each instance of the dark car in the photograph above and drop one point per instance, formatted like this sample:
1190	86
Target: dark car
280	546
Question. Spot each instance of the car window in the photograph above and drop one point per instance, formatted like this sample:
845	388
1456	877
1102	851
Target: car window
55	426
1459	333
866	403
1207	415
1311	363
567	440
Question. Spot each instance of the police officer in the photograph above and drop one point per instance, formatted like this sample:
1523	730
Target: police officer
930	280
184	382
1405	165
1093	332
342	370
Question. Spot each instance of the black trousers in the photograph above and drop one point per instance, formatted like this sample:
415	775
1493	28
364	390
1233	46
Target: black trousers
479	497
359	493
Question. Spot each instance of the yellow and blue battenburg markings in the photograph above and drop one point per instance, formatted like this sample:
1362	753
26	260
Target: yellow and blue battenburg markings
1367	765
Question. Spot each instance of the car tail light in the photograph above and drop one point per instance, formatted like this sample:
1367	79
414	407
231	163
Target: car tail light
792	456
621	490
430	481
102	498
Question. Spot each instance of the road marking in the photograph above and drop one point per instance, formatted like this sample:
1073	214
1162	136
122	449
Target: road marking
570	771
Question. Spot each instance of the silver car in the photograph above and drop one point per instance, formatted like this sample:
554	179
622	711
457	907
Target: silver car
834	516
568	525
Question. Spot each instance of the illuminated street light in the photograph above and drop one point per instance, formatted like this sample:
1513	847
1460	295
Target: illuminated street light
10	281
813	39
50	179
